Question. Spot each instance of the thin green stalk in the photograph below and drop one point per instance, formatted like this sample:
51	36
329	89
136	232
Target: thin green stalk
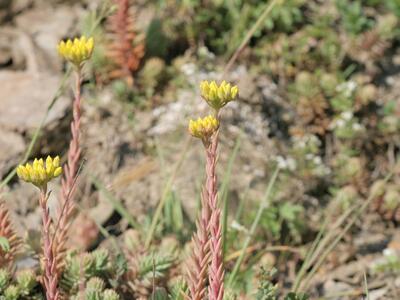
366	286
224	192
250	33
263	204
307	259
242	201
161	157
166	191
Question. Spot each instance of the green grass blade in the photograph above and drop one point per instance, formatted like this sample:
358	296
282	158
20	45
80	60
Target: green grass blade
366	286
267	10
224	191
263	205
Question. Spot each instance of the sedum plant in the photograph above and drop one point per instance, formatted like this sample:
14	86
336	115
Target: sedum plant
11	293
122	48
95	270
206	260
4	279
26	282
95	290
9	241
84	266
77	52
23	285
39	173
145	268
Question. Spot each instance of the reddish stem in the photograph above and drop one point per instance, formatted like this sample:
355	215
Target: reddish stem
50	265
198	265
69	174
216	272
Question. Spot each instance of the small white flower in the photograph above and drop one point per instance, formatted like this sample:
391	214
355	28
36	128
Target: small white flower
291	164
351	85
188	69
340	123
347	88
314	140
309	156
238	227
389	252
286	164
357	127
317	160
347	115
281	162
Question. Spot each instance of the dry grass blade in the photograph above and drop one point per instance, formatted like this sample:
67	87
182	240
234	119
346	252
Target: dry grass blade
320	243
250	33
136	173
331	244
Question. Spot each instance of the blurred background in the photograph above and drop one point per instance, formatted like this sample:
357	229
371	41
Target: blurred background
319	85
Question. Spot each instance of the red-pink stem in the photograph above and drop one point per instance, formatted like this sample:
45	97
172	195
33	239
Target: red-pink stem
123	36
216	272
50	265
69	173
198	265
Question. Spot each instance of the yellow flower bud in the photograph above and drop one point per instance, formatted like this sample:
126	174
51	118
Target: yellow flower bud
218	96
40	173
76	51
203	128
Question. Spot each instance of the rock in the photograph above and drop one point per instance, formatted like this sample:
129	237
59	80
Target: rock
5	48
12	146
368	242
18	6
332	288
23	201
4	9
24	98
47	26
377	294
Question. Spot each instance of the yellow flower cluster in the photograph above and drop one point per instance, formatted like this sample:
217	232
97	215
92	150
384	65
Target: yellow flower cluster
203	128
217	96
76	51
40	173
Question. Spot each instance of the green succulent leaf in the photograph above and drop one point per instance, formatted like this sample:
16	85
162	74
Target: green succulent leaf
4	244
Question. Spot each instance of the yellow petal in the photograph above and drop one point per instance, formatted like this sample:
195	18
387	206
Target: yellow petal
57	172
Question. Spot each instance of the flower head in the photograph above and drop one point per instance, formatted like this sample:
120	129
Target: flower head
40	172
76	51
203	128
217	96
